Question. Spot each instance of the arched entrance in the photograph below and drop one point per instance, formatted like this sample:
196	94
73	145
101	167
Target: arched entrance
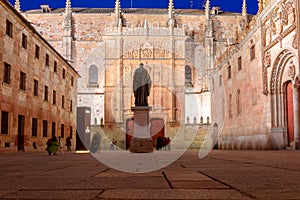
284	101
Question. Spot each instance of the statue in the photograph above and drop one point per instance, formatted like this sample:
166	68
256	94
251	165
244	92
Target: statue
141	86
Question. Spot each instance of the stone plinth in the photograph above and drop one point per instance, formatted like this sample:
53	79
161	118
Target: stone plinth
141	141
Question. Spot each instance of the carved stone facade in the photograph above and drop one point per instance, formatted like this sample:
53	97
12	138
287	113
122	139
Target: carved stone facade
189	55
270	100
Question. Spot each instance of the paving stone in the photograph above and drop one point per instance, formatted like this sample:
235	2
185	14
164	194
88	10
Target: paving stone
172	194
53	194
207	184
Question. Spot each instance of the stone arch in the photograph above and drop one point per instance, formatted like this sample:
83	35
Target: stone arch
278	77
283	71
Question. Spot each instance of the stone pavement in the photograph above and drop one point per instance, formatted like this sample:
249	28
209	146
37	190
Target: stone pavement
219	175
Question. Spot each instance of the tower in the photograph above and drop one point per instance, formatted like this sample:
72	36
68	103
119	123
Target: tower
245	15
17	5
209	46
118	14
67	37
171	20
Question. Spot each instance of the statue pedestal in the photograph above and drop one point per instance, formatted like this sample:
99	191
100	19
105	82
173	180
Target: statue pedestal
141	141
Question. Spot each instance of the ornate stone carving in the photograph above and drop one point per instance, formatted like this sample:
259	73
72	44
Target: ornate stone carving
267	59
147	53
291	70
295	41
291	12
266	64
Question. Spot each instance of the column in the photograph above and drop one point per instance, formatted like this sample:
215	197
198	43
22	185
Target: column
296	115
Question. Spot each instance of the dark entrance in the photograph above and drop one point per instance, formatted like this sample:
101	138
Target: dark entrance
83	129
157	129
21	123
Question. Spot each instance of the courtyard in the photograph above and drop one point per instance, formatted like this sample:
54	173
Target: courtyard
219	175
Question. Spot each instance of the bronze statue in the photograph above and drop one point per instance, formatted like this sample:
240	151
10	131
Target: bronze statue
141	86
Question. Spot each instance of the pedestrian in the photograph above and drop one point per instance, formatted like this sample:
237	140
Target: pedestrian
112	144
68	143
61	150
52	145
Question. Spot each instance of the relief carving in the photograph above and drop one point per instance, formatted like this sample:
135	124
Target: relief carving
147	53
267	59
291	12
295	42
291	70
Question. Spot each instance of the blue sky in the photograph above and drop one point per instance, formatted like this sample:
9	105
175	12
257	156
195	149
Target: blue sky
226	5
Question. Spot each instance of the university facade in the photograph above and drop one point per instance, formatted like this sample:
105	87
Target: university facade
227	78
38	87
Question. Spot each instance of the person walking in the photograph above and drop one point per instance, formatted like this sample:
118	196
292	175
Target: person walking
68	143
52	146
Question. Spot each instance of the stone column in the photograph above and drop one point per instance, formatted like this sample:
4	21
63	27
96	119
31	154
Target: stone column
296	116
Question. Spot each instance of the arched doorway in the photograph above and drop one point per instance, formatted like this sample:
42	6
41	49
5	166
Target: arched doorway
284	125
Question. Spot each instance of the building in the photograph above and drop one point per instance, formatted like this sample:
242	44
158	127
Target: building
214	73
258	80
38	87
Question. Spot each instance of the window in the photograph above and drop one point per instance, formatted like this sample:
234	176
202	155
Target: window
53	129
4	122
239	63
72	80
230	101
220	80
6	78
252	52
36	88
9	28
24	41
62	129
37	52
46	93
54	97
229	72
55	66
71	106
93	75
188	75
238	101
47	60
63	101
34	127
22	81
64	73
45	128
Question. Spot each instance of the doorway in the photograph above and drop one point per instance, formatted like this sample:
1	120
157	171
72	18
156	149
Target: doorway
21	123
